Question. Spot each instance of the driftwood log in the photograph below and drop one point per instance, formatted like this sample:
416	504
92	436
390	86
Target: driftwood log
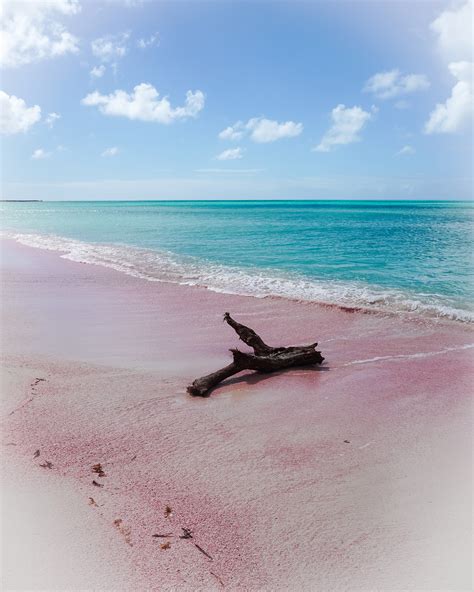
264	359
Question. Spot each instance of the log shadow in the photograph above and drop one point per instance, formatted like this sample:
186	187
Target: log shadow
253	378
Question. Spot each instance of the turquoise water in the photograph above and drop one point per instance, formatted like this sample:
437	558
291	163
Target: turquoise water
405	256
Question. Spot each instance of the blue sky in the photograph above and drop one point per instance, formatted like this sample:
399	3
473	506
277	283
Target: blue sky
137	99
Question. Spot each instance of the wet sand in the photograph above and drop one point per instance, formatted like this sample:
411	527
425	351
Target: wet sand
354	476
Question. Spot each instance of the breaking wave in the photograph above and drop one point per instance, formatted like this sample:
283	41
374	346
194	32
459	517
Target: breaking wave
164	266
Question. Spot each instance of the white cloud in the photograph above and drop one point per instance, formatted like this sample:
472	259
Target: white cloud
15	116
113	151
111	47
266	130
149	42
262	130
30	30
51	119
40	154
231	154
406	151
97	71
144	104
456	112
390	84
454	30
347	123
233	132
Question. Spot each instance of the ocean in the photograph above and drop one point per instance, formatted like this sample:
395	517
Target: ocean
407	257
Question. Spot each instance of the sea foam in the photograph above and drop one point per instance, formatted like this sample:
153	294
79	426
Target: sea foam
164	266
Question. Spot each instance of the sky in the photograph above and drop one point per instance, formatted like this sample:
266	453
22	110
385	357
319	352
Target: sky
323	99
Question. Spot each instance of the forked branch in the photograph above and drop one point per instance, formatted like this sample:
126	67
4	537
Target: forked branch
264	359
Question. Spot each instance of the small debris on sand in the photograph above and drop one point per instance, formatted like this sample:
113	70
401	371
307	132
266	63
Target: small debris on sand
124	531
202	551
98	469
168	512
94	482
165	546
47	464
347	441
36	454
162	536
92	502
187	534
217	578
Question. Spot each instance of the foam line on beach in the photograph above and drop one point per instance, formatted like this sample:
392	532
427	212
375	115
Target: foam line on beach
409	356
164	266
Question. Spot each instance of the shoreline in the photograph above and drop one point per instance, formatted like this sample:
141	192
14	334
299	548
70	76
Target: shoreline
260	471
290	287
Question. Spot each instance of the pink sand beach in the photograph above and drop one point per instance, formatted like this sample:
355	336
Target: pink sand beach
355	475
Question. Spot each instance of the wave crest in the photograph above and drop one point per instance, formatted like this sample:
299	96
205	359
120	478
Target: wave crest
164	266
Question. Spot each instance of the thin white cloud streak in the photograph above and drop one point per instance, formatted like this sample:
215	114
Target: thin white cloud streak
110	48
97	71
112	151
212	186
233	132
51	119
146	42
15	116
391	84
406	151
230	154
144	104
266	130
31	31
262	130
347	123
40	154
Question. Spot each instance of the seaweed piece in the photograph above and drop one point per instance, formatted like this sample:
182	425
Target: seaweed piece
202	551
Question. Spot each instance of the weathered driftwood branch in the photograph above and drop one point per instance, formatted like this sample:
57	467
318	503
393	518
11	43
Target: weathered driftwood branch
264	359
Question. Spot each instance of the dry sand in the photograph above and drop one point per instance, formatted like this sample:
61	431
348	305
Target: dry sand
260	471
